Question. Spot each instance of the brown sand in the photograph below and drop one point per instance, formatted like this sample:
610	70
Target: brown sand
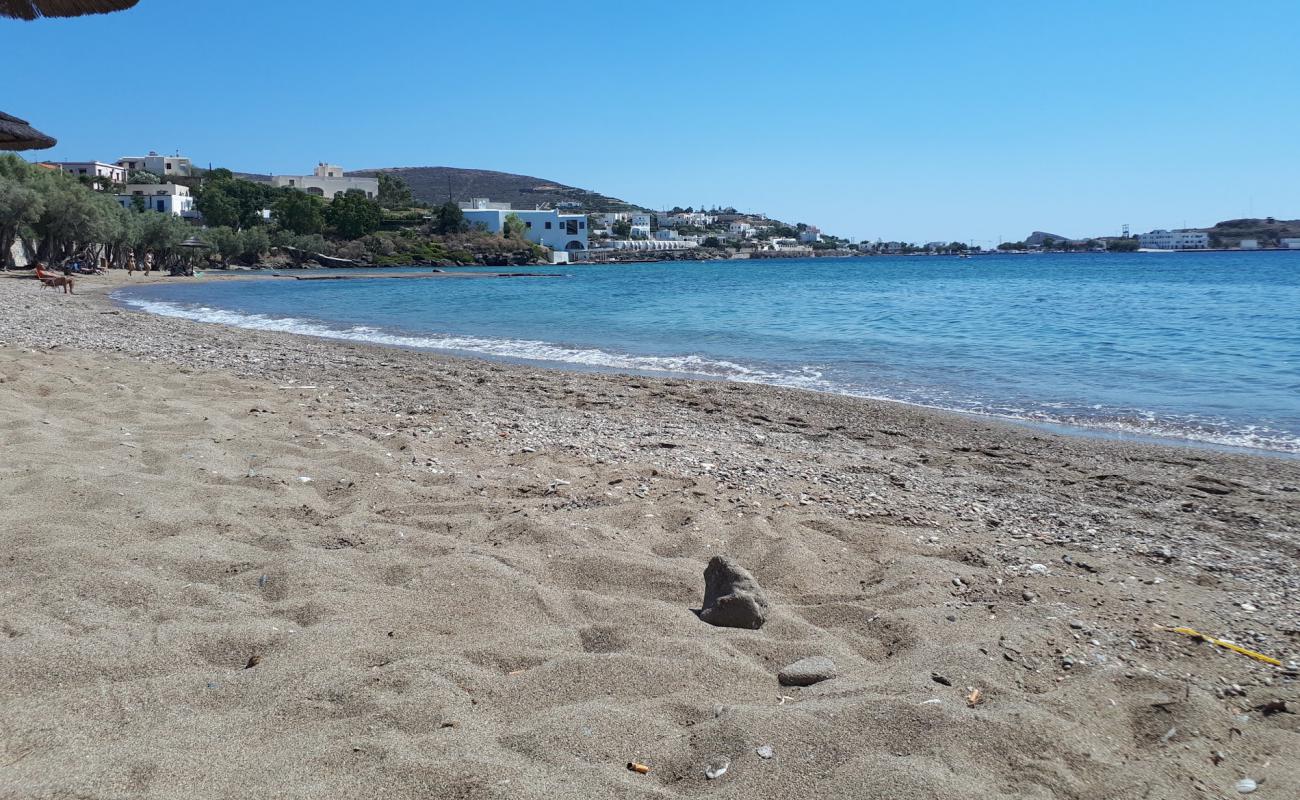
485	588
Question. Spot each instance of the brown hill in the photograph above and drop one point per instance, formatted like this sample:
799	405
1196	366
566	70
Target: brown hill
1267	231
438	184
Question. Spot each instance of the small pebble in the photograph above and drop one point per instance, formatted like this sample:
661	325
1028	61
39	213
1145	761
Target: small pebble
717	768
1038	569
1246	786
765	751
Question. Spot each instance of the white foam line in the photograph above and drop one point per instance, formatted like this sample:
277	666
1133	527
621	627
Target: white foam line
524	349
807	378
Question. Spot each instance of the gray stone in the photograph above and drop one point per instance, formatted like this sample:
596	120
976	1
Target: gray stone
732	598
807	672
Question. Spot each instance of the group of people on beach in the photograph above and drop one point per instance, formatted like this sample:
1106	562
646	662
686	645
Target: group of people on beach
86	265
131	266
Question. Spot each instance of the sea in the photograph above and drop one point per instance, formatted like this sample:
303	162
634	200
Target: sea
1184	347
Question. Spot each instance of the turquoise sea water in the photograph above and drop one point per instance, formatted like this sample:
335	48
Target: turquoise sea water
1193	346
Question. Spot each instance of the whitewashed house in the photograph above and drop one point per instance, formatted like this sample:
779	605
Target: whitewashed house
158	165
692	219
94	169
547	227
1291	244
165	198
739	230
810	235
328	180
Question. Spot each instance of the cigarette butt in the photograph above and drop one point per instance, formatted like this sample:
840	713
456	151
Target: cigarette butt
638	767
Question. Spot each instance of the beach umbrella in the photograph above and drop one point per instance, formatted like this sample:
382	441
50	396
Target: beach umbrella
194	241
34	9
16	134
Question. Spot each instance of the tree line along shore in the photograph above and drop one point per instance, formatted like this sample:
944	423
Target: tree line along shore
52	217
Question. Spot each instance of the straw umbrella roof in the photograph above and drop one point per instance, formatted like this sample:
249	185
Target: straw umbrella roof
32	9
16	134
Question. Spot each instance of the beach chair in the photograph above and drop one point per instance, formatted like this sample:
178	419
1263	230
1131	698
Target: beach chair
53	281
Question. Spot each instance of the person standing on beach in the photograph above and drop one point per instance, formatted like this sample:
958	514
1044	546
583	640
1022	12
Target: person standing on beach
148	263
130	265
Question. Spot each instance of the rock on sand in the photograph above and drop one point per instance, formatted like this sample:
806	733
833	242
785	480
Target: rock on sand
807	672
732	598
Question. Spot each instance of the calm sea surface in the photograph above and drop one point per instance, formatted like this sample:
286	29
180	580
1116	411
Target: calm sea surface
1192	346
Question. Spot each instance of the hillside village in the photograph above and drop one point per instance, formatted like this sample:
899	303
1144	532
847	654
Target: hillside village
216	218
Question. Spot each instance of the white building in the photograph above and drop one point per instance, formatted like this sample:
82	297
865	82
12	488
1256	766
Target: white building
810	235
95	169
165	198
693	219
1291	244
328	180
546	227
740	230
1249	244
158	165
1174	240
648	245
666	235
641	223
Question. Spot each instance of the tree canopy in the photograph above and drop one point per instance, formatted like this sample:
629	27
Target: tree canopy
393	191
233	202
299	212
352	215
513	227
449	219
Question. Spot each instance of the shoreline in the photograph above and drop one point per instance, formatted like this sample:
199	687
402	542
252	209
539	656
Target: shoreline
1098	431
320	567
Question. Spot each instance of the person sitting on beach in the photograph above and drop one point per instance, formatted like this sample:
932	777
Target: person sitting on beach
56	281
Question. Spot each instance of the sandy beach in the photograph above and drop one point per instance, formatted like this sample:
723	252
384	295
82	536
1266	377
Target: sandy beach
250	564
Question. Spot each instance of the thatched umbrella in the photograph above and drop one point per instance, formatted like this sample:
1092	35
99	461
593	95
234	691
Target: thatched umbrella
16	134
32	9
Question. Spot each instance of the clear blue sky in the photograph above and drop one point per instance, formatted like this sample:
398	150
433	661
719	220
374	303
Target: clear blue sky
903	120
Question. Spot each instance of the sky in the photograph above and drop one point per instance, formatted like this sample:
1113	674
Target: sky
978	121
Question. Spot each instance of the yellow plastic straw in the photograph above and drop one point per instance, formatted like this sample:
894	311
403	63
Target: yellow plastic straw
1224	644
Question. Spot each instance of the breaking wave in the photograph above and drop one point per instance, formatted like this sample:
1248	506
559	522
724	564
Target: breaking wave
1216	432
515	349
